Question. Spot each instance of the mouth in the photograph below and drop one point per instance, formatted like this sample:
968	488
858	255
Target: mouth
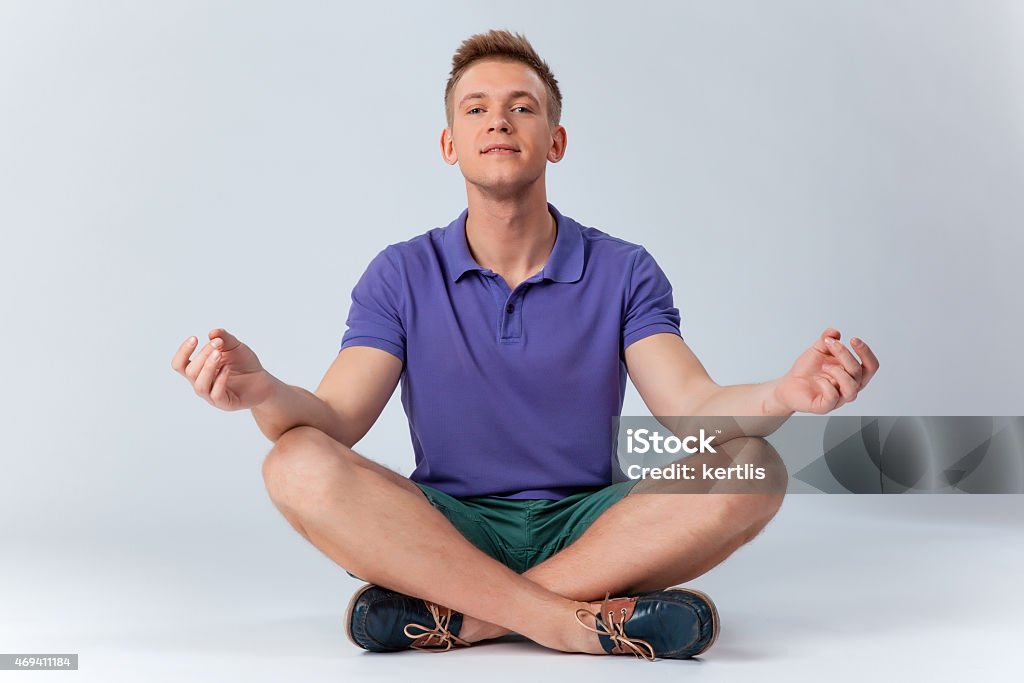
498	150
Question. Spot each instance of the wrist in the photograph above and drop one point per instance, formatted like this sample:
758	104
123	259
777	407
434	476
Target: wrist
272	391
773	403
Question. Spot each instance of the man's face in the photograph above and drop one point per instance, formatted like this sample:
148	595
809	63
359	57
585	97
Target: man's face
501	103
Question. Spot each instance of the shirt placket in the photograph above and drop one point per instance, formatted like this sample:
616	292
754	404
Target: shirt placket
510	312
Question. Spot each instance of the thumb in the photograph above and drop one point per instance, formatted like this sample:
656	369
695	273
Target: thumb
227	341
830	332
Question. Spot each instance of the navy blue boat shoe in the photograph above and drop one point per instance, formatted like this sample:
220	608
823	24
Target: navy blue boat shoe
382	620
677	623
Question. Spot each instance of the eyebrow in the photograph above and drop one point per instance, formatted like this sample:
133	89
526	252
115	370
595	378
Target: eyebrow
512	95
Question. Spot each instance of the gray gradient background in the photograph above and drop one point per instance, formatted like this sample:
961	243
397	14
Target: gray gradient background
169	168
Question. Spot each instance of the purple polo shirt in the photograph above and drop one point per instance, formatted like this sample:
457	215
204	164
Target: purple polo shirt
511	393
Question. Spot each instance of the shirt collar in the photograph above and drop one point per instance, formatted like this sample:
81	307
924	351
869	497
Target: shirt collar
565	264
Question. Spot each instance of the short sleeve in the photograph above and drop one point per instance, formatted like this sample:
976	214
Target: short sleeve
375	316
649	304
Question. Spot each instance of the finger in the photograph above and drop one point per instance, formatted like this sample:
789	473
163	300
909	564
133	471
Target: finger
848	386
180	359
829	333
828	375
195	367
204	381
870	361
846	359
829	397
219	393
222	339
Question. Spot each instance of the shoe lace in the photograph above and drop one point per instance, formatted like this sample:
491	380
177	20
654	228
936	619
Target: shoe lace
616	631
445	638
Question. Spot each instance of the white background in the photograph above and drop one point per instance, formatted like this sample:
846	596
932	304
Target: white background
167	168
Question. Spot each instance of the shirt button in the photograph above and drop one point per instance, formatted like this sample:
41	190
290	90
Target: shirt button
510	308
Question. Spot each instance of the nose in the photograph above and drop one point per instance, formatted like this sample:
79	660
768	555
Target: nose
501	123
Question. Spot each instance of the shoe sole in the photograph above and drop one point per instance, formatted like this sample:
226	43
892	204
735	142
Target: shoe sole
715	620
348	614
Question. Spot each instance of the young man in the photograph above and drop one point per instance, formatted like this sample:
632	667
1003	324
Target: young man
512	331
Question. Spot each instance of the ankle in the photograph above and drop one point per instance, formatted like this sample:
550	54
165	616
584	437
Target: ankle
581	639
474	630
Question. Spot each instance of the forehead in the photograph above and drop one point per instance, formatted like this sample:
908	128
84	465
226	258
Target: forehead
498	78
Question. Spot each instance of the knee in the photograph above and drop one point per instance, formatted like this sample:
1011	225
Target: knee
751	512
762	458
759	509
302	460
745	515
759	501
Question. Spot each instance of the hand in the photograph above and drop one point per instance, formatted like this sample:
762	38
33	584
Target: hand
225	372
826	376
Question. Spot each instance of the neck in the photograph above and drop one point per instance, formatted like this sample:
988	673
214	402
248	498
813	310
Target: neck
511	236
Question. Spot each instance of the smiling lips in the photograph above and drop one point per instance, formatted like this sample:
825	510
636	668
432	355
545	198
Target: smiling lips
500	149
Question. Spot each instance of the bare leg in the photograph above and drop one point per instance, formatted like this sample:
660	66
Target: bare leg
653	541
380	526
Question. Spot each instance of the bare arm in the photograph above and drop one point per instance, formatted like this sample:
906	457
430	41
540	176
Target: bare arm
227	374
673	383
350	398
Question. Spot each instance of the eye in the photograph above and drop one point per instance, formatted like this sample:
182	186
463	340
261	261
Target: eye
514	108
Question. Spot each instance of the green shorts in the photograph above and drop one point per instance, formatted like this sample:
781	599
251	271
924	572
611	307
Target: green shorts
523	533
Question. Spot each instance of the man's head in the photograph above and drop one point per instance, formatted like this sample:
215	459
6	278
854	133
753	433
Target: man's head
501	92
502	45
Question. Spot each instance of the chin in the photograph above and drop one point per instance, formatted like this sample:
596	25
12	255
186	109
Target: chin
503	184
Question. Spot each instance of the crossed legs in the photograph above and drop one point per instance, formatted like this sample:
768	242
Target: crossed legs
379	525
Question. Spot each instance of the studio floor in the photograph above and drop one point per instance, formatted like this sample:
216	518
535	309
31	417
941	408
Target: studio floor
838	588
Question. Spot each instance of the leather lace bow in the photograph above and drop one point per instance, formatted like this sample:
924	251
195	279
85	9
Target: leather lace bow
445	639
616	630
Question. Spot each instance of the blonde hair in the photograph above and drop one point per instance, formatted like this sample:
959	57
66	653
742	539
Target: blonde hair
502	45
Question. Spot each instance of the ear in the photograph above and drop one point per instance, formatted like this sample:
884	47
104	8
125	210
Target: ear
448	147
558	143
